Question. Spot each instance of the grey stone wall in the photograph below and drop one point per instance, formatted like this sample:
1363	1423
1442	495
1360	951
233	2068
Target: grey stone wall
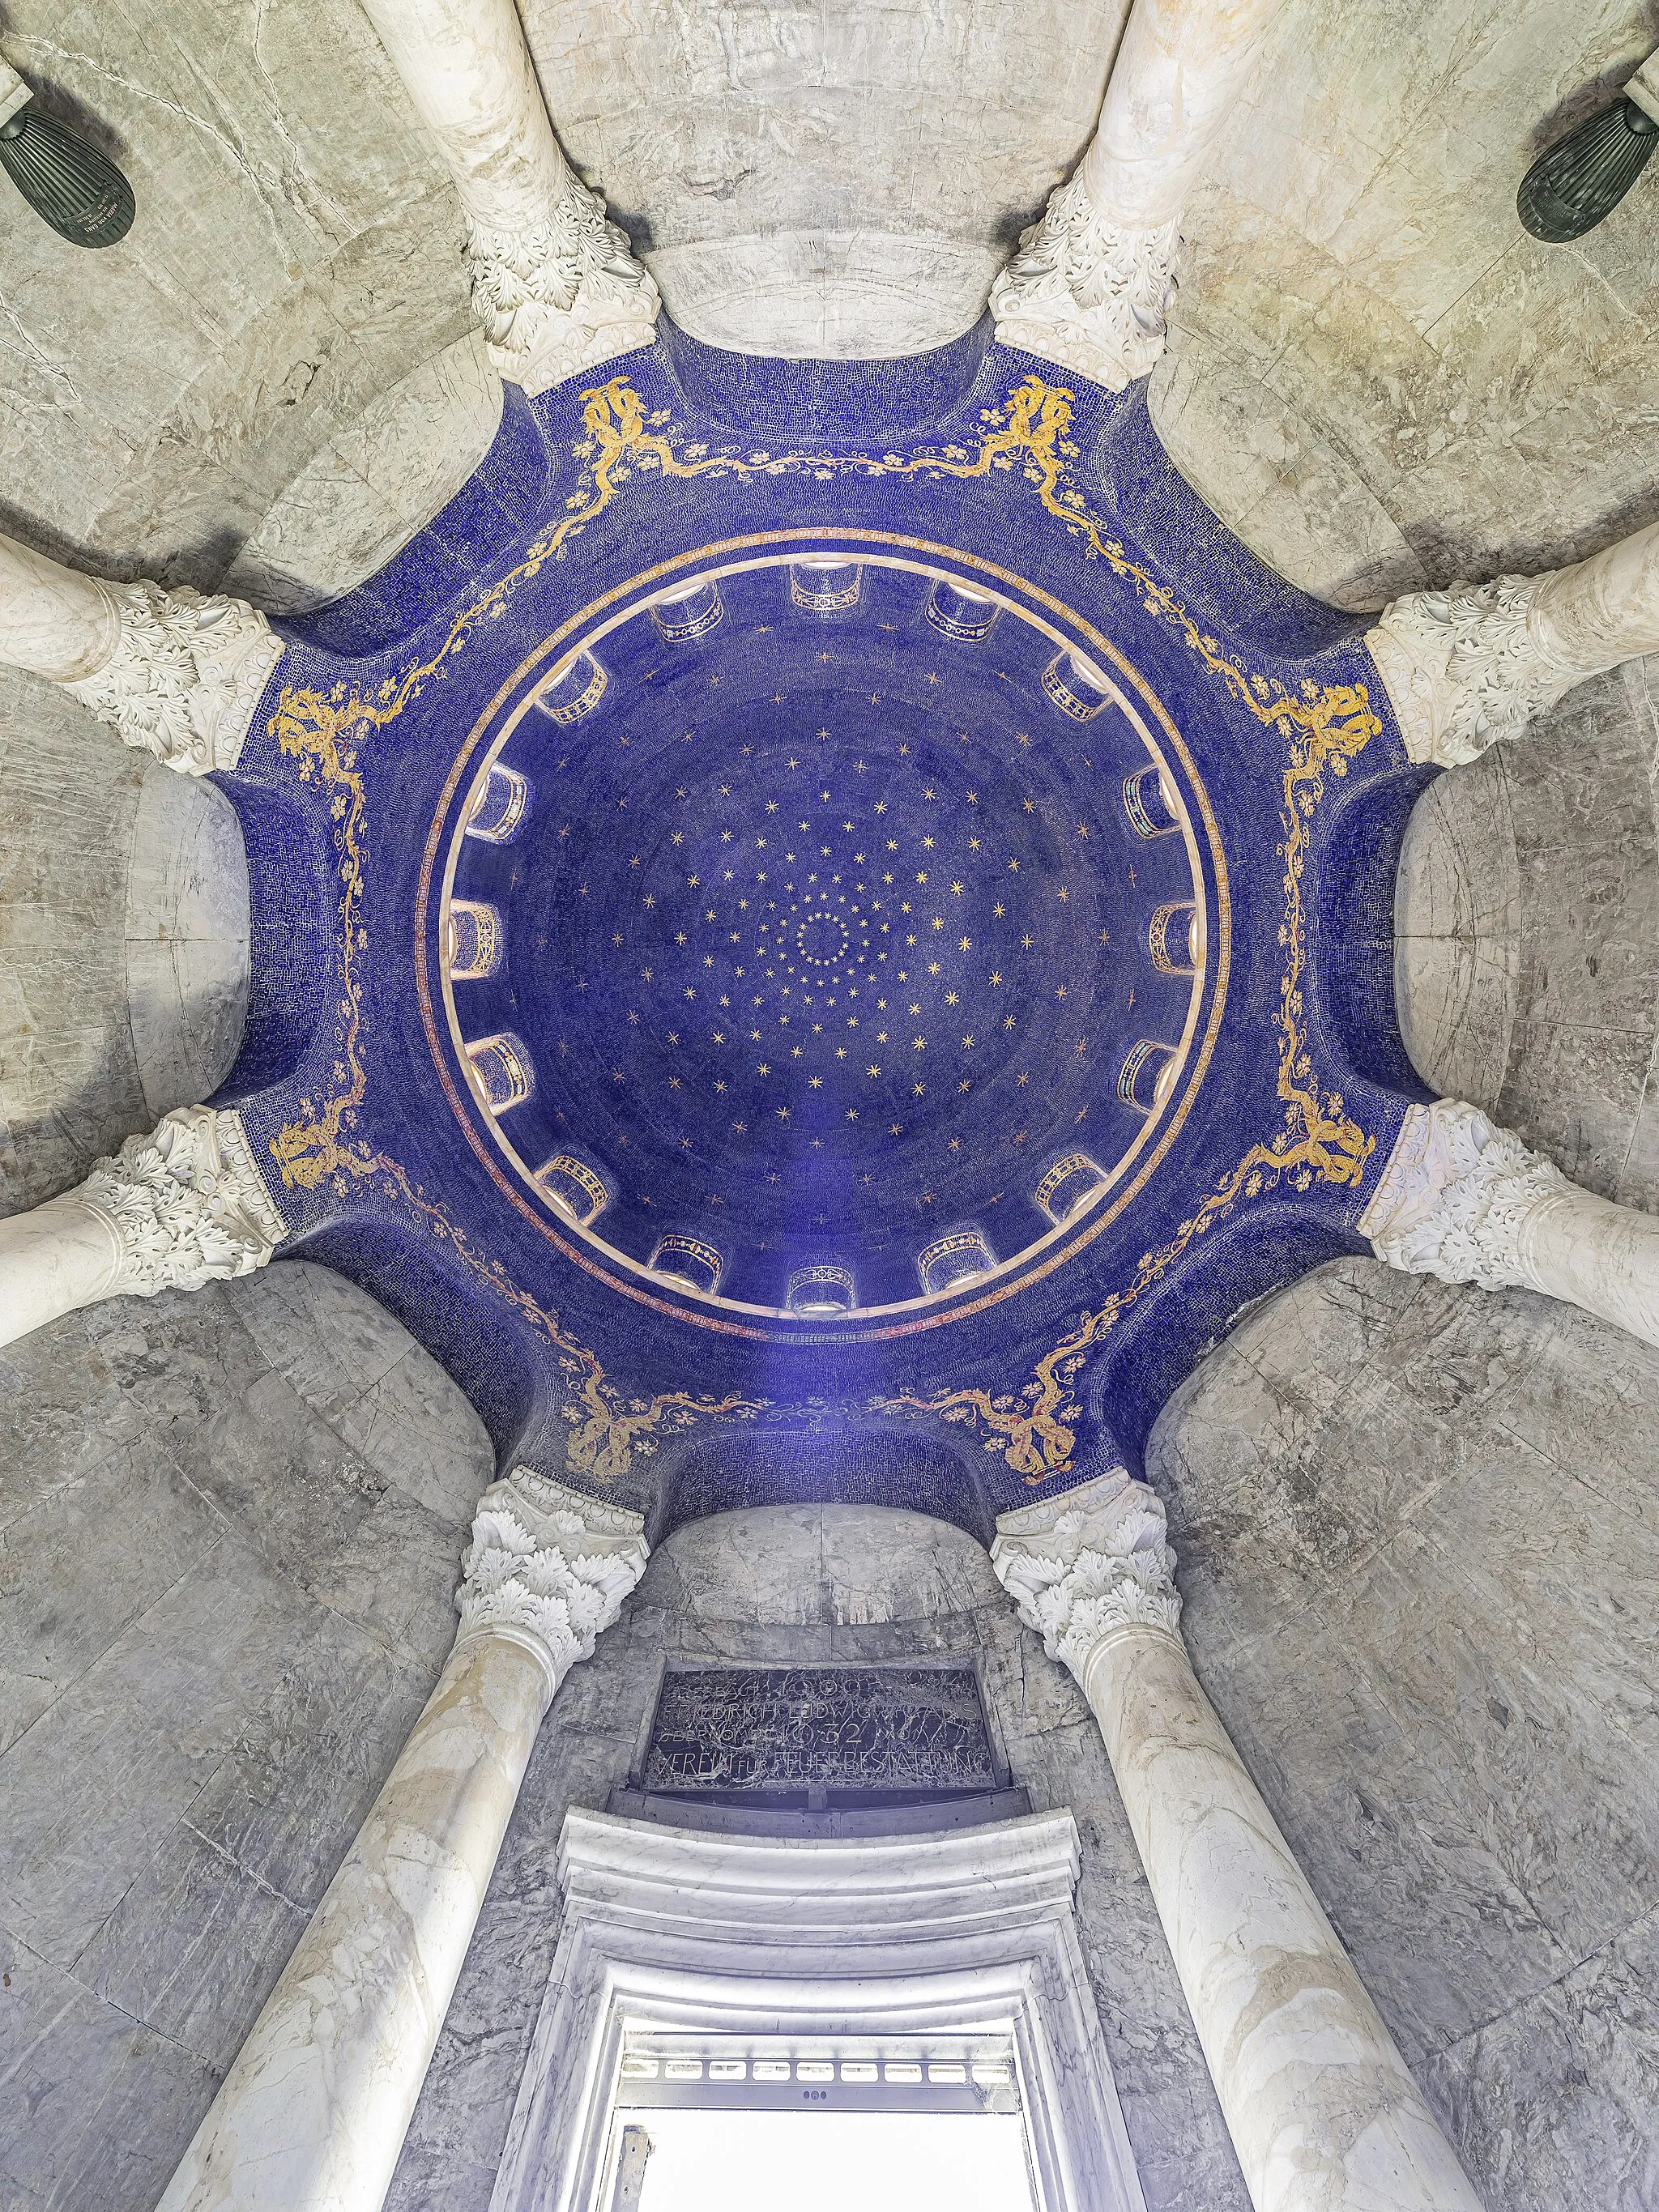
296	252
1376	377
229	1533
1417	1530
799	1585
1526	947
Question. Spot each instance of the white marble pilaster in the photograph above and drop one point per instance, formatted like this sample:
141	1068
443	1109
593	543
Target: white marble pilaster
171	1212
1092	282
554	285
1324	2115
1473	664
313	2113
174	674
1467	1201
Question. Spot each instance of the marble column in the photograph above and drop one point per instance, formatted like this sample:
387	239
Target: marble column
1323	2113
174	673
1473	664
313	2111
554	285
171	1212
1092	282
1470	1203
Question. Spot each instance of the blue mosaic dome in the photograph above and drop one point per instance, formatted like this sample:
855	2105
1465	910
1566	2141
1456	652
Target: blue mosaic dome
826	901
827	930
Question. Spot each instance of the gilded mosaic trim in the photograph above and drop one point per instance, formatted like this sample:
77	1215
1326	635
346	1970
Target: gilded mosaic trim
1326	726
607	1430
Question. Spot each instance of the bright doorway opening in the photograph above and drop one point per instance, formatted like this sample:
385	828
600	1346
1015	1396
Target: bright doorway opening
716	2123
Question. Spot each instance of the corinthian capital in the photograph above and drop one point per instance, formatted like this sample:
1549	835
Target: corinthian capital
557	298
185	675
1462	667
1464	1201
1084	1564
1474	663
1087	293
186	1206
548	1567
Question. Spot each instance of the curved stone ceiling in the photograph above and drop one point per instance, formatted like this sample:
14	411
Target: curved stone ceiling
836	926
827	895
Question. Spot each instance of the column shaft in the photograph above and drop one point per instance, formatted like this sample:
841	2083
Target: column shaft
1174	84
1091	283
554	285
55	1258
466	68
312	2114
1324	2114
1321	2110
53	619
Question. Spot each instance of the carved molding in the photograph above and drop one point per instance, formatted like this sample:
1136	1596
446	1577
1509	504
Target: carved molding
1461	1198
549	1567
1465	667
186	1206
1087	293
559	299
186	675
1086	1564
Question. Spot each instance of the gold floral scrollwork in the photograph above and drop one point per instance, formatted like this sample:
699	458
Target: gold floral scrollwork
1027	435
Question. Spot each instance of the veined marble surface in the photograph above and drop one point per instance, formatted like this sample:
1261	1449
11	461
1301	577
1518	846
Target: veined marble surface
230	1526
796	1586
382	477
1419	1536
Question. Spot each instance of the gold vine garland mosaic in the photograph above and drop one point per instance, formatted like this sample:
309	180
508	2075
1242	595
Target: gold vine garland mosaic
1326	726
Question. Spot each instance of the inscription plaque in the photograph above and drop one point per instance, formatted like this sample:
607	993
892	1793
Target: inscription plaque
880	1728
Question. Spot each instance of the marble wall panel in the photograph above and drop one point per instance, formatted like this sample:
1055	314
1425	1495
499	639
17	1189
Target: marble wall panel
295	252
1361	313
1453	1718
804	1585
220	1619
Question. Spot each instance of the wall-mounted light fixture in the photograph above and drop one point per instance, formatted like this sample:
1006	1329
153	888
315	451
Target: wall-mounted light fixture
1583	177
69	183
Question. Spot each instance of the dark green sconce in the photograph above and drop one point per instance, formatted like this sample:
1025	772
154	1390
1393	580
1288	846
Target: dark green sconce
68	183
1580	179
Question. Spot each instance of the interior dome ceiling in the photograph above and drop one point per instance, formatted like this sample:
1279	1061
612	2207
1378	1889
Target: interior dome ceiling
619	611
827	931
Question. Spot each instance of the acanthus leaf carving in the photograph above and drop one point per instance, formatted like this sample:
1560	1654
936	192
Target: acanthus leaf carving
186	1206
561	297
1465	667
186	675
1092	1561
1460	1199
1087	293
549	1565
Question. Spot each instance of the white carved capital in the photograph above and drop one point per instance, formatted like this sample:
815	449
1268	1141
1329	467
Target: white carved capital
185	1206
185	675
1467	666
1086	293
556	299
1473	664
549	1567
1088	1563
1463	1200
